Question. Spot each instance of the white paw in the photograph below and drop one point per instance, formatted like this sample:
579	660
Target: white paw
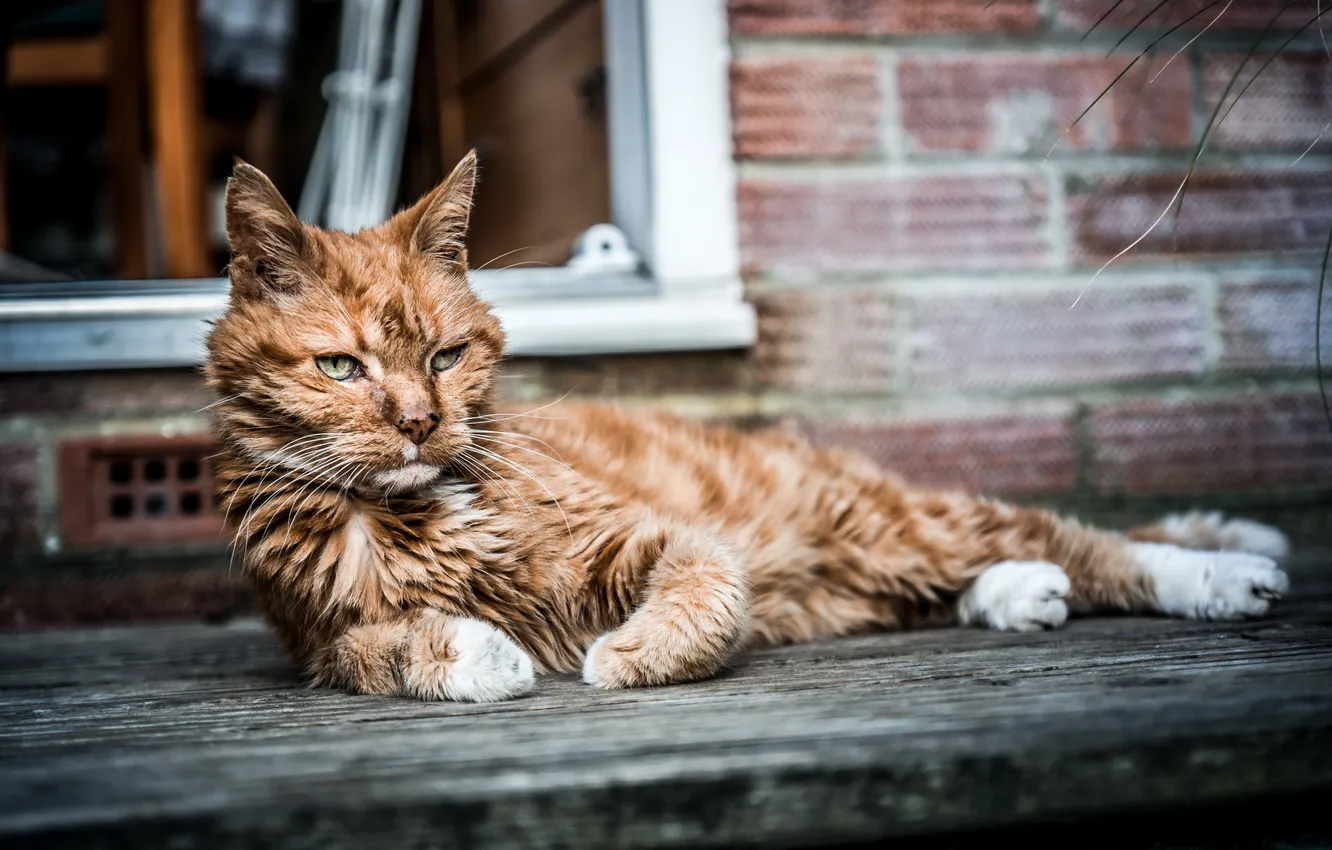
489	666
1245	535
1019	596
1198	530
466	661
1210	585
589	663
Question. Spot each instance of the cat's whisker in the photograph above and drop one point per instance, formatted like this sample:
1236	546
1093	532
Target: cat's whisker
275	503
527	263
506	417
305	453
289	498
1191	41
503	417
243	531
333	472
517	467
354	481
516	435
290	471
223	400
275	455
299	461
502	256
263	470
1317	138
533	452
479	470
307	462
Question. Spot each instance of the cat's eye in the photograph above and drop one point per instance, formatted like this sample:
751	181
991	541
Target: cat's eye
339	367
447	359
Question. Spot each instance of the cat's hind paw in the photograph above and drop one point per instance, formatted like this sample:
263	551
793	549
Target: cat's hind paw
464	660
1210	585
1211	530
1017	596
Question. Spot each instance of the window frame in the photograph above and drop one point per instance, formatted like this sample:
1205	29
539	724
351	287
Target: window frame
673	194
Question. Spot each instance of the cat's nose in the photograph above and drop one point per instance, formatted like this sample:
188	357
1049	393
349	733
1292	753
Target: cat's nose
418	425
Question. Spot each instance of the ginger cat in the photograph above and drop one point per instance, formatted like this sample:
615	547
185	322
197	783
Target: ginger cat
407	537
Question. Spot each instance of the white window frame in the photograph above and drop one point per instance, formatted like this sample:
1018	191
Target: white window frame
672	193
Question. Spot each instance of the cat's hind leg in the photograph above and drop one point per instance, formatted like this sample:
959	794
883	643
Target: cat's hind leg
428	655
1026	596
1106	571
1212	530
1209	585
691	608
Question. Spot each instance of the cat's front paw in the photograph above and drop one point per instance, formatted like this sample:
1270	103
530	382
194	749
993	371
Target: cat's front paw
591	671
462	660
1211	585
1017	596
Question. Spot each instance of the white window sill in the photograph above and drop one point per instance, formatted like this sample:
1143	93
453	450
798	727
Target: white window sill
154	324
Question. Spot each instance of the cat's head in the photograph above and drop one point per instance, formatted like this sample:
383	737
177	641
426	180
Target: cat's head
361	358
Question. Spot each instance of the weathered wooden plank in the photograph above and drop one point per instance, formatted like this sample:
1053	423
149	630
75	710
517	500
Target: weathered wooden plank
196	733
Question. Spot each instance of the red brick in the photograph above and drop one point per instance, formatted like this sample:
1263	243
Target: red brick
1021	339
635	374
140	597
1268	327
1287	108
20	510
805	107
1021	103
1243	14
1237	444
906	223
1008	454
881	17
128	392
1225	214
826	341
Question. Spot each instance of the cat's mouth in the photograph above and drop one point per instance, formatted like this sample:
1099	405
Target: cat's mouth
410	476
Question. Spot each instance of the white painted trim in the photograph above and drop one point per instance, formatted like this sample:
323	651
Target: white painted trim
167	329
695	233
673	178
627	127
627	325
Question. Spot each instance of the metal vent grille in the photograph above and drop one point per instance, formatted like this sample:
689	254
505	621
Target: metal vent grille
137	490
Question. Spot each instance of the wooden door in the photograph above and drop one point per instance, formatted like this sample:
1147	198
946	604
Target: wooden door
523	82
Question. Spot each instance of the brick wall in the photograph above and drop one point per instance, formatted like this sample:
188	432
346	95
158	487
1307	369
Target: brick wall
914	255
916	227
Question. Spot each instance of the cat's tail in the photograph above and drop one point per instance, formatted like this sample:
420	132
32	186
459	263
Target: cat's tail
1212	531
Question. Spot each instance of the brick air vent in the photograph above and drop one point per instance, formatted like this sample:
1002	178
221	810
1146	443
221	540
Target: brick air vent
119	491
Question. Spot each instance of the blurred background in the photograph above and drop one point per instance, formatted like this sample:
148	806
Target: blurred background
914	224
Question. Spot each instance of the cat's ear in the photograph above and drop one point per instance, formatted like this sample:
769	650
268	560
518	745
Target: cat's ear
443	214
268	244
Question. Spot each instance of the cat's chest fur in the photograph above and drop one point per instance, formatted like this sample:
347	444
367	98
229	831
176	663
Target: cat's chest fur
430	549
356	572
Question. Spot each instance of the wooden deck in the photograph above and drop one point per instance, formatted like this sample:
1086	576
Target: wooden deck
196	735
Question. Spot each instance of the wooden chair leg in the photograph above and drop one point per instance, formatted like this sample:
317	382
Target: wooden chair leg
125	135
175	88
